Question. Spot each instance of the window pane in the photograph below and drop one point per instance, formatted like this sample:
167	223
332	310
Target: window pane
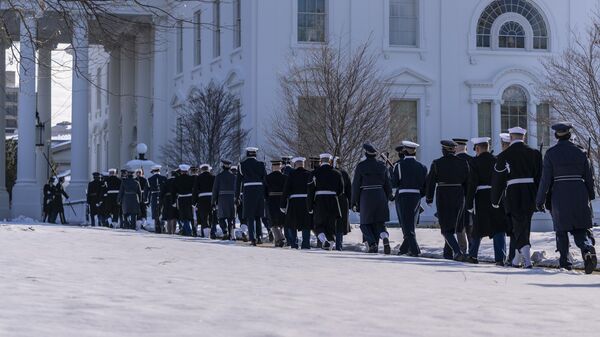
403	22
403	121
179	50
197	38
217	28
543	124
514	108
312	19
484	119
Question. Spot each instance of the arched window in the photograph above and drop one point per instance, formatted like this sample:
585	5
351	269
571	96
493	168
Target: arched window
511	35
523	8
514	108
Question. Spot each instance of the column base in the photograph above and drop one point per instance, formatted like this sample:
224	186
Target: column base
4	205
26	200
77	197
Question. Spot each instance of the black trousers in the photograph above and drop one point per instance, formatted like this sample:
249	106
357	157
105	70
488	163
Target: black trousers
582	240
327	227
521	229
226	225
372	232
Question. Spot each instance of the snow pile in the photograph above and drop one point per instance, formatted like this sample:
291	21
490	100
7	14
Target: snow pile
23	220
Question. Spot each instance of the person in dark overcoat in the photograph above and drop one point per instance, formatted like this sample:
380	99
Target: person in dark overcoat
95	191
447	180
287	165
129	197
223	198
325	188
342	226
251	191
182	194
273	191
110	202
516	176
203	187
139	176
59	193
167	201
371	192
409	178
49	207
293	204
489	222
567	174
155	183
464	225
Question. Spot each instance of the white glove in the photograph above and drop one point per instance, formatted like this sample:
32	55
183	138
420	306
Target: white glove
282	210
495	206
174	205
472	210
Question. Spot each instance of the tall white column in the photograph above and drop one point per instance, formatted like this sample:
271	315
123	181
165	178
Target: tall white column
143	87
475	118
114	109
44	108
532	128
79	114
127	100
25	192
160	112
4	199
496	125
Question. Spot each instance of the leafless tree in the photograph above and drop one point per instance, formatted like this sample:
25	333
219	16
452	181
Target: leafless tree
209	129
333	99
572	87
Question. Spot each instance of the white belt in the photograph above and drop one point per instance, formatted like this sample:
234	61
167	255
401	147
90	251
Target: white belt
184	195
253	184
568	178
275	194
325	193
408	190
155	192
371	187
520	181
484	187
294	196
112	192
205	194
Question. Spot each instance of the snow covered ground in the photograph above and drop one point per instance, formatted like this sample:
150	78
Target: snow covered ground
71	281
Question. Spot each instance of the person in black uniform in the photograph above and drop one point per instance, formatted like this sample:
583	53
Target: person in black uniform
488	221
182	194
223	199
273	192
286	161
567	175
516	176
371	192
168	211
250	183
239	209
463	228
203	187
342	226
447	181
49	207
325	187
409	178
130	196
113	185
293	204
59	193
155	183
94	193
145	201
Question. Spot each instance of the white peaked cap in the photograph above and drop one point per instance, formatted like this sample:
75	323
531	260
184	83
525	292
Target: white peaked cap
184	167
251	149
505	137
325	156
410	144
205	166
156	167
112	170
297	159
480	140
233	167
517	130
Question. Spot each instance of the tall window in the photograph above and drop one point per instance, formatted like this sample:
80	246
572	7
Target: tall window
309	111
98	88
237	23
217	28
312	19
403	121
514	108
484	119
404	18
197	38
512	35
543	124
179	46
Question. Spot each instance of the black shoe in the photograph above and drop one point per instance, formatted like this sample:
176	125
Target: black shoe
590	261
271	236
326	245
460	257
213	236
374	248
253	243
568	268
413	254
259	241
470	259
500	264
387	250
244	237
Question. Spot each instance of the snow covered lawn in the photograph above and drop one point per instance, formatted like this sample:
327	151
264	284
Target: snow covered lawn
70	281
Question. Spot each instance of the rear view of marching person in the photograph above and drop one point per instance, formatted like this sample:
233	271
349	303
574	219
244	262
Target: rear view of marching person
95	191
113	185
250	180
59	193
223	198
273	192
156	182
371	191
293	204
324	190
409	178
342	227
447	181
182	194
489	221
517	175
50	212
567	175
463	227
130	196
167	201
139	177
286	161
203	187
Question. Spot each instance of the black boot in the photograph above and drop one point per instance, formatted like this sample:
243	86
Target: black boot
253	243
470	259
387	250
590	261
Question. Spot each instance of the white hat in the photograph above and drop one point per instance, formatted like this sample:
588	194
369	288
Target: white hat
234	167
112	171
155	168
517	130
480	140
505	137
184	167
297	159
205	166
251	149
325	156
410	144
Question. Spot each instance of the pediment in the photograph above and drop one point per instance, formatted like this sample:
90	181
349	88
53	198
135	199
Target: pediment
407	76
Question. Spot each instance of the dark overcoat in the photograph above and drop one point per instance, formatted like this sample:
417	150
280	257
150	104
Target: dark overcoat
94	194
250	183
273	193
167	200
371	191
293	200
345	199
130	196
324	191
203	187
182	193
223	194
409	178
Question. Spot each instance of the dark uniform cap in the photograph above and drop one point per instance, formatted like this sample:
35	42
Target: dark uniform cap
399	148
448	144
286	159
96	174
226	162
460	141
276	162
369	149
562	128
314	158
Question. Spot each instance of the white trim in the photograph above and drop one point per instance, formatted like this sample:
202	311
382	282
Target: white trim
294	43
420	47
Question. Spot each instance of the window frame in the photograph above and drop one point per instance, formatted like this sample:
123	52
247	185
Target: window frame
326	20
417	18
216	19
179	47
198	37
237	24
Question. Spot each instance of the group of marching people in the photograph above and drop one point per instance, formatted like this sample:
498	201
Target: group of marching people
476	197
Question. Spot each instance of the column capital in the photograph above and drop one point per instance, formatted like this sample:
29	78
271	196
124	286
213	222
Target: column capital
497	102
476	100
